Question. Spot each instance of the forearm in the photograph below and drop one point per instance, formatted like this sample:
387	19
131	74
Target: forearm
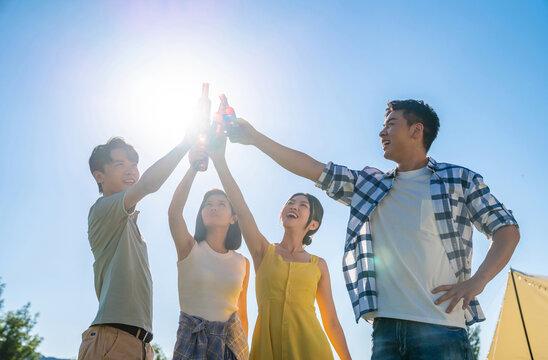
336	336
294	161
502	247
253	238
232	189
180	196
157	174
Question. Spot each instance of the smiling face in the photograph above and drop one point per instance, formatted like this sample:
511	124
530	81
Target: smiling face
118	174
296	212
217	212
398	139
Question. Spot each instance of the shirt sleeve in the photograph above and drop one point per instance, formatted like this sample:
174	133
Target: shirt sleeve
338	182
105	215
486	212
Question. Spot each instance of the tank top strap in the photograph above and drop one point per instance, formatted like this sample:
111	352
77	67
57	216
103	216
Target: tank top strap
314	259
271	251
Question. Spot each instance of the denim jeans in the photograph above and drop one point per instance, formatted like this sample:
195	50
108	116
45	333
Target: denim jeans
404	339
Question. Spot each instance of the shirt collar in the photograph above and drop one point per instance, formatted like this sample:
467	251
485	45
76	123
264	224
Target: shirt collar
432	165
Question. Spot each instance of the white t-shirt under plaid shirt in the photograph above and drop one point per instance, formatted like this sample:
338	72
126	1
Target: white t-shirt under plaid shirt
460	198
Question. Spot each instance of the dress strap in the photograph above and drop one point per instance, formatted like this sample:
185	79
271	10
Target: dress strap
314	259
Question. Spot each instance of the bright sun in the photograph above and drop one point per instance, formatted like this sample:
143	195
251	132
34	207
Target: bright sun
160	98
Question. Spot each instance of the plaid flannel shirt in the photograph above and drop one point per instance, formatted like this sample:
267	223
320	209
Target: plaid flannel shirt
460	198
200	339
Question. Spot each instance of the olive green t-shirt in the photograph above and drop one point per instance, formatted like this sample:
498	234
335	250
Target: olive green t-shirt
123	283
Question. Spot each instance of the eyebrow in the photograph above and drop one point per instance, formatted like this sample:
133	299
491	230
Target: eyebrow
389	119
218	201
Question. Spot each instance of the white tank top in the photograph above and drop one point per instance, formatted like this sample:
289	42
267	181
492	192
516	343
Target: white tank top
210	283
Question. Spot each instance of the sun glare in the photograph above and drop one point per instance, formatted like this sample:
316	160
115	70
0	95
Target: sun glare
160	99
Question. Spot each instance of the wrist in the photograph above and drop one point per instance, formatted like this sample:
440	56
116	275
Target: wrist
218	160
257	139
481	279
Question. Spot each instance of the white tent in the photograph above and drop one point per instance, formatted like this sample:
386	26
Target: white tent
522	328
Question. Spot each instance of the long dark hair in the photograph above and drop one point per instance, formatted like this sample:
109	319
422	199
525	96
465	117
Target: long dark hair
233	238
316	214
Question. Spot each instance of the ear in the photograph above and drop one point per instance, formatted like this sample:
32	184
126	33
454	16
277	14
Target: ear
418	129
314	225
98	176
233	219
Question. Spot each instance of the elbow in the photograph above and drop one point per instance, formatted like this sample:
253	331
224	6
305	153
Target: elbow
509	234
334	324
331	324
174	212
315	171
517	236
171	213
149	185
151	188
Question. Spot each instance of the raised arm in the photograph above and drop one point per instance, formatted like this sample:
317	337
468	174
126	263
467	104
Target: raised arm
295	161
179	231
328	312
153	178
255	241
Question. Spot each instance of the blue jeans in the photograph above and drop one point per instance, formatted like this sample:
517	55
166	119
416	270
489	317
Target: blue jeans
404	339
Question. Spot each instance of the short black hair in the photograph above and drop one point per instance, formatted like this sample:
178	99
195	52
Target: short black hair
316	213
233	239
417	111
101	155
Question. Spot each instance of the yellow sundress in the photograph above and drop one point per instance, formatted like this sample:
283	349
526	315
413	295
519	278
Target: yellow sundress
287	327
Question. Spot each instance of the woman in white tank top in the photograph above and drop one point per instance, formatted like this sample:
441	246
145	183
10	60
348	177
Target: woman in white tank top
212	277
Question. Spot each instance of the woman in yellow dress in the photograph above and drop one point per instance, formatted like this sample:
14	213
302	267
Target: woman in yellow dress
288	280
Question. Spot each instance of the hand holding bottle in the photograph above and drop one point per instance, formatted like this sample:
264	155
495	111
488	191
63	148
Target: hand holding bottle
229	119
246	134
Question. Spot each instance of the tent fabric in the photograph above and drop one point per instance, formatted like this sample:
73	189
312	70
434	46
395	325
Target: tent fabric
510	341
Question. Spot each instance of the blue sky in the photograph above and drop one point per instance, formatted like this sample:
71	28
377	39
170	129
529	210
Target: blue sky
313	75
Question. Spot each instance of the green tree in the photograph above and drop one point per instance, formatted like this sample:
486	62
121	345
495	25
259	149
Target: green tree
16	342
158	353
474	332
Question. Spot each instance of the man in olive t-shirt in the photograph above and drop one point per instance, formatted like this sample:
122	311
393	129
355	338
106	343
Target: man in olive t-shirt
122	328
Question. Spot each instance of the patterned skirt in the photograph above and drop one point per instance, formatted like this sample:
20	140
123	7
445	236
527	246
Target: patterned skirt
200	339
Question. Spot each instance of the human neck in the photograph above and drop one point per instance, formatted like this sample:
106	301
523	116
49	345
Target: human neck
215	238
292	241
108	192
413	162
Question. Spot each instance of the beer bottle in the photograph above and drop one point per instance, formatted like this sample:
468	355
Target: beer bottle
229	118
204	112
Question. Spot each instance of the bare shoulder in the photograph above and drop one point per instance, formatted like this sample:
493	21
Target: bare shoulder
325	278
322	264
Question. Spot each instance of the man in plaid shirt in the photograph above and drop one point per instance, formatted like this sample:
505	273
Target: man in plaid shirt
408	249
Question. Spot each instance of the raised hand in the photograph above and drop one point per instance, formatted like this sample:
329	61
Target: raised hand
246	133
196	153
216	149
